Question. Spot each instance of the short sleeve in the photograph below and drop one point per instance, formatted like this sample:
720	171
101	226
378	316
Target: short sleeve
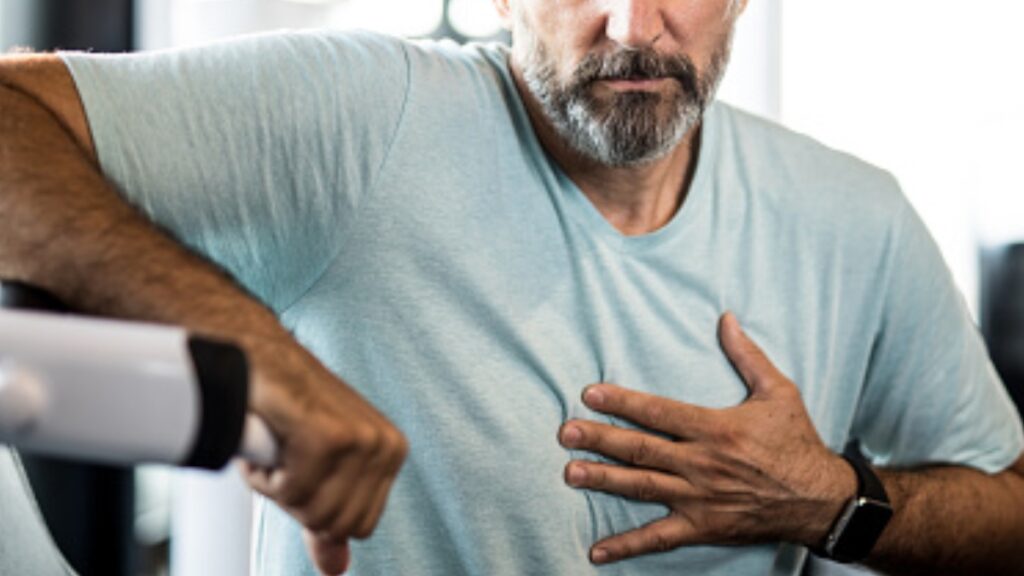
932	396
256	152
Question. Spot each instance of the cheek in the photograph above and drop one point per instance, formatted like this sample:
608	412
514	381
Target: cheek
700	29
570	36
548	40
570	29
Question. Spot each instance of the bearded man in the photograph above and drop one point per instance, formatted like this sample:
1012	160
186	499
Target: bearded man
533	261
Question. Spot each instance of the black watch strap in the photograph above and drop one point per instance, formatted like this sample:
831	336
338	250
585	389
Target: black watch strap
868	484
864	517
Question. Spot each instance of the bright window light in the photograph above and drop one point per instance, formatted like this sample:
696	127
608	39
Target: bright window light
397	17
927	89
474	18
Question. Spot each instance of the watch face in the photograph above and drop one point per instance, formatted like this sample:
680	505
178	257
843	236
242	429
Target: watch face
863	529
872	515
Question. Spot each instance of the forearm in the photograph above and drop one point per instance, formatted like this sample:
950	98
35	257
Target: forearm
952	520
69	231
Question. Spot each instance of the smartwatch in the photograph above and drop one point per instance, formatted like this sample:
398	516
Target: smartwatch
862	520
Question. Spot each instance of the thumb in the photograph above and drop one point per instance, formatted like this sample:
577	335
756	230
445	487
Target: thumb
331	556
754	367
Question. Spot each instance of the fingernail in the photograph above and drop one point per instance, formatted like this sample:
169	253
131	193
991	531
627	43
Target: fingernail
599	555
571	436
593	396
576	475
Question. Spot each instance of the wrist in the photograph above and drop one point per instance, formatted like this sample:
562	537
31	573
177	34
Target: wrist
864	518
836	487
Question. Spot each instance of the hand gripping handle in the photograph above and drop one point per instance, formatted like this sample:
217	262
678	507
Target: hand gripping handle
259	446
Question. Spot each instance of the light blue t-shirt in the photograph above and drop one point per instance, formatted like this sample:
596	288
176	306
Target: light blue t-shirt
26	547
391	202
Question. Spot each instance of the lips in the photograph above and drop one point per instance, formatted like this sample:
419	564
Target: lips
635	69
636	82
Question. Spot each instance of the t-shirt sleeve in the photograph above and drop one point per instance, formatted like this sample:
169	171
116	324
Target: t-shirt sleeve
256	152
932	394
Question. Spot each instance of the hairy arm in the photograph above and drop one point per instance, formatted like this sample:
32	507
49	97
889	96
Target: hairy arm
69	231
953	520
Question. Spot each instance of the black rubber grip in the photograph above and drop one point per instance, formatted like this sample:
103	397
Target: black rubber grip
20	296
222	378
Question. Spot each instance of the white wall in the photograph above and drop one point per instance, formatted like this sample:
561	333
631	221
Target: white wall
928	89
753	79
166	23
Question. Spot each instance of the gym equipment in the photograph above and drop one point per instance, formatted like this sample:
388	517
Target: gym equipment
121	392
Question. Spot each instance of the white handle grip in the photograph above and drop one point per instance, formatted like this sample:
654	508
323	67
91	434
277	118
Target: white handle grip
259	446
22	399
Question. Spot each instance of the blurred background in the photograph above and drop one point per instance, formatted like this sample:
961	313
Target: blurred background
923	88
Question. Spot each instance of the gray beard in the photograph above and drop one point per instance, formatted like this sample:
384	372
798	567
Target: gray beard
627	131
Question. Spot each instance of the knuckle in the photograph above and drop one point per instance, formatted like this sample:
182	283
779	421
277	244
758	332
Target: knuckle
370	439
289	500
660	542
398	445
342	528
655	415
367	526
787	390
642	452
317	521
714	469
291	496
646	489
629	547
357	439
363	530
704	464
336	440
731	434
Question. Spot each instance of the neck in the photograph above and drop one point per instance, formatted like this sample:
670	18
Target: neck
635	200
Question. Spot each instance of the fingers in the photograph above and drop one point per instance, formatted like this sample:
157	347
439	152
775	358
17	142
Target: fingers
257	477
659	536
339	456
331	556
328	515
653	412
631	483
339	459
631	446
356	517
369	523
753	365
294	483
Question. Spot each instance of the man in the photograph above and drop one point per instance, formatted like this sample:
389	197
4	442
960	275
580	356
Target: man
521	258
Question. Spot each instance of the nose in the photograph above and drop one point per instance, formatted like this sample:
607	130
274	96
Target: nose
634	23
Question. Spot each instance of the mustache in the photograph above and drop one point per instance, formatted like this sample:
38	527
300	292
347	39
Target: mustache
640	64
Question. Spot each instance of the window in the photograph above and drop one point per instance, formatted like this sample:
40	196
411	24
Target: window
926	89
